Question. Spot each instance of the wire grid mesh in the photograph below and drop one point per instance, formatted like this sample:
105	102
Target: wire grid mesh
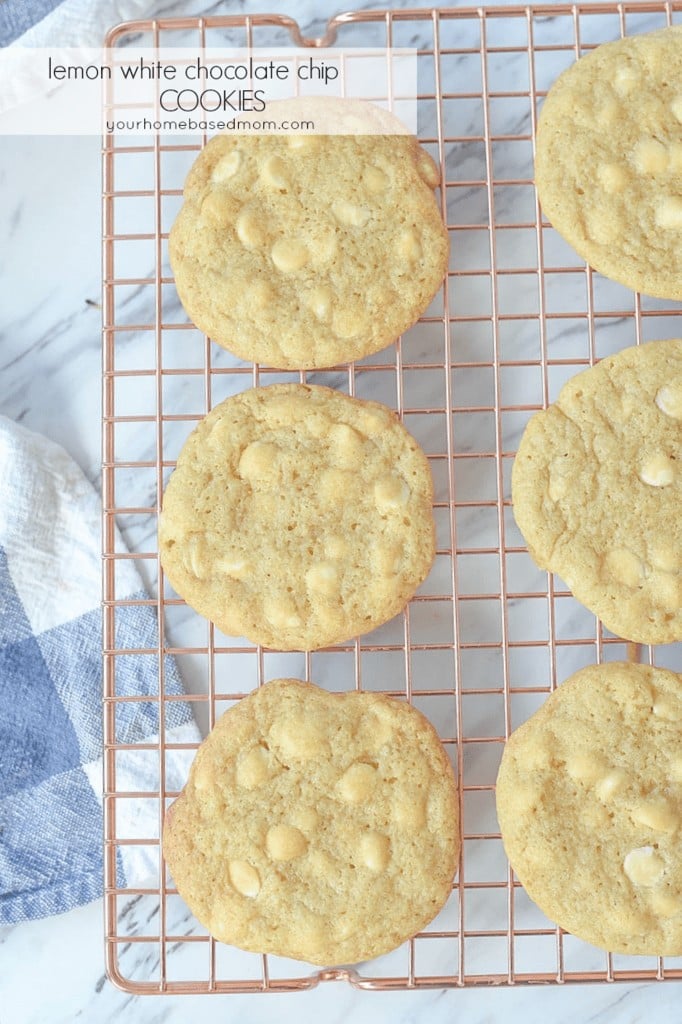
488	636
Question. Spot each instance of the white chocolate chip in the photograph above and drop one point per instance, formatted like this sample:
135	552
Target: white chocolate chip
676	108
657	815
386	559
346	444
217	208
335	484
196	557
666	904
202	774
669	213
625	80
608	111
297	738
585	767
625	567
600	227
372	423
409	246
350	214
258	461
281	612
410	812
227	167
644	866
612	177
244	878
391	493
253	768
284	842
375	179
558	478
305	142
274	173
658	471
611	785
348	323
306	818
250	230
669	399
357	783
261	294
319	300
675	768
675	153
323	578
288	255
666	556
235	566
650	156
375	851
427	169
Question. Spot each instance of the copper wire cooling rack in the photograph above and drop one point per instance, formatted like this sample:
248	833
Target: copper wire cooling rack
488	636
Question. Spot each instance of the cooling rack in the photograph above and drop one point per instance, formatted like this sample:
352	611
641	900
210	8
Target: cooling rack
488	636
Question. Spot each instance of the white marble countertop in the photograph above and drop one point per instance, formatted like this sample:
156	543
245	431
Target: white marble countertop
51	971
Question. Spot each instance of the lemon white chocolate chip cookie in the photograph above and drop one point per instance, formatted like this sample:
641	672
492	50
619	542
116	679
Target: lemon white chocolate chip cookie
609	160
589	800
317	826
597	486
298	516
309	250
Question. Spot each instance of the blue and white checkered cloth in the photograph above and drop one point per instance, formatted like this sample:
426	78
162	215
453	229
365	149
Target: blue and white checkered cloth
66	22
50	690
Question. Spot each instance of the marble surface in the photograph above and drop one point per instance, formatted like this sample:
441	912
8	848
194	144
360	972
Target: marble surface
50	363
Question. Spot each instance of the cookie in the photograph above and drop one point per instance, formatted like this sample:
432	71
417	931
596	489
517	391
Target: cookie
608	160
318	826
298	516
302	251
596	490
589	801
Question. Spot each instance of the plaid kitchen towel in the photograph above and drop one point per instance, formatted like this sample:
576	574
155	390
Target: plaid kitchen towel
50	691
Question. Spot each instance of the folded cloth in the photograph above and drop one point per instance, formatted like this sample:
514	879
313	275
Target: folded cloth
51	688
66	22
